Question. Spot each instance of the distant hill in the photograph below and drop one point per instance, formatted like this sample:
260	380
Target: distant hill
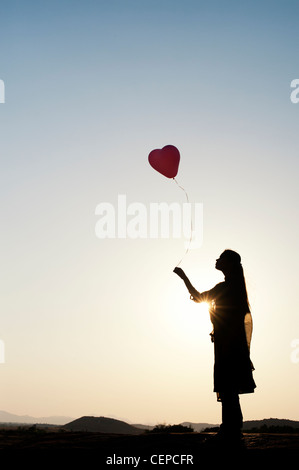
198	427
114	426
269	425
256	424
145	427
6	417
270	422
101	424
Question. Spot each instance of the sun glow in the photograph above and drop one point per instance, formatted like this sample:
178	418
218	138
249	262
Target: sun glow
204	314
188	319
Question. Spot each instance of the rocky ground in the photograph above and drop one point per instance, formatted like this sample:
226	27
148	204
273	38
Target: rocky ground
145	450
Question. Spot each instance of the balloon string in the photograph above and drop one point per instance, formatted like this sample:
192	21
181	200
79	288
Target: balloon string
190	227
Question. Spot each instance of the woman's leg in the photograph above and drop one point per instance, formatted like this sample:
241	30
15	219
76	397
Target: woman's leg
232	419
232	422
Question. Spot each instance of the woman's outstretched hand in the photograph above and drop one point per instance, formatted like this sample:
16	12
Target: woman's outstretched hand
180	273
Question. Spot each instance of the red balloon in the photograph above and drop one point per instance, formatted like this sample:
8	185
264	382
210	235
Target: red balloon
165	161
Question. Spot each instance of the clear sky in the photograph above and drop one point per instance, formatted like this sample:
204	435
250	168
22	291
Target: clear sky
102	326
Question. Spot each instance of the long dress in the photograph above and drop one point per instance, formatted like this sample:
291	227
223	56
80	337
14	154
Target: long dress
231	337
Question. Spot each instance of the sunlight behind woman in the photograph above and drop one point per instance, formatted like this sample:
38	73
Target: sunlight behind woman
204	313
189	320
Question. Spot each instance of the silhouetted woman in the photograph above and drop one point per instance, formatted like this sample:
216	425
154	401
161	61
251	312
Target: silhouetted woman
231	319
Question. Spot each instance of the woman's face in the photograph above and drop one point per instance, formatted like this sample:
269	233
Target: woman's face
222	263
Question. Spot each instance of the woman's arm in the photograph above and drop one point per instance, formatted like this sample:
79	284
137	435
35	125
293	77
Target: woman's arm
194	294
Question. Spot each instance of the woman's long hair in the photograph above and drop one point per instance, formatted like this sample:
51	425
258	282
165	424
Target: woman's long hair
237	280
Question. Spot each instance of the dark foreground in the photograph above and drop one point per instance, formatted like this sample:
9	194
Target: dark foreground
145	450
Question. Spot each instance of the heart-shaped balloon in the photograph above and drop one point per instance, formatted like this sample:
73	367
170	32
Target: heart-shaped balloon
165	161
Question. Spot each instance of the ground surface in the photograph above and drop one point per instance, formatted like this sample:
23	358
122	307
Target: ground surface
274	448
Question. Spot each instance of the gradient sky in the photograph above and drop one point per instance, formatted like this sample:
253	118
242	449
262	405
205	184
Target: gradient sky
103	327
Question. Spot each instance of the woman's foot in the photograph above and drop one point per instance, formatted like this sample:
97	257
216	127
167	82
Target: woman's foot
226	439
